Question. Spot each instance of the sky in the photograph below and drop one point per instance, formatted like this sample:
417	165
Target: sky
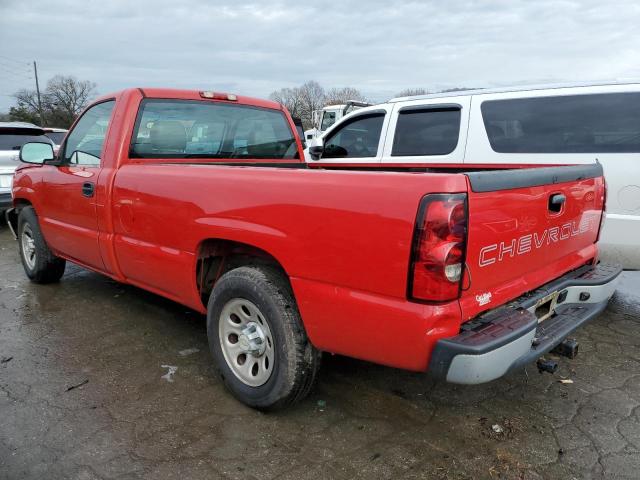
379	47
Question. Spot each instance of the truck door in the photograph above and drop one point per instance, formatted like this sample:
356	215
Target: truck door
68	213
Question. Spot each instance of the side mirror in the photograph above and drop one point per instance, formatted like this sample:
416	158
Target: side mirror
36	152
316	149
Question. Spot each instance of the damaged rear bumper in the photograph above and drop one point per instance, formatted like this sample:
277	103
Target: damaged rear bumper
512	336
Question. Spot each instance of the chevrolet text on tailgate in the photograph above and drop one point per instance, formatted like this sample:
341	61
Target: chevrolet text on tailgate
205	198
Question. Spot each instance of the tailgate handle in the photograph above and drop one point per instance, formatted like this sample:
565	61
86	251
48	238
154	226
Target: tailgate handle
556	201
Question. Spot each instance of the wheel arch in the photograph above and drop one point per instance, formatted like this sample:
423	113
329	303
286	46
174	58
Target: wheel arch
216	256
12	214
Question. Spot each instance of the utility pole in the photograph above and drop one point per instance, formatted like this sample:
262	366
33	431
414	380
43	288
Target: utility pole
35	71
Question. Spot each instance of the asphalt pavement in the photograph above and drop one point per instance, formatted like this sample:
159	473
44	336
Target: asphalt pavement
104	381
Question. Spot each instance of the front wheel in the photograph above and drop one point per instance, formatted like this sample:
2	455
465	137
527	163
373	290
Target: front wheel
39	263
257	339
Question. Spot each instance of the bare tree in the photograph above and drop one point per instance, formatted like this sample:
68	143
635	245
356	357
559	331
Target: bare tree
63	99
303	100
409	92
312	96
290	98
66	96
337	96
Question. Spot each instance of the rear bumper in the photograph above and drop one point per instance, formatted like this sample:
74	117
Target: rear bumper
509	337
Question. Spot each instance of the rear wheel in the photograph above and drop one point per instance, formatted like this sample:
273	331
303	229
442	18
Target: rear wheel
39	263
257	339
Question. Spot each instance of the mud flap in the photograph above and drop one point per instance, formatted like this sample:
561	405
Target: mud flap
11	216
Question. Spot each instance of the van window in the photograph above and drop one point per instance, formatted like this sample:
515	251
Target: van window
193	129
358	137
426	131
600	123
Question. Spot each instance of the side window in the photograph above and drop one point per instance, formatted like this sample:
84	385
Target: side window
357	138
594	123
84	143
426	131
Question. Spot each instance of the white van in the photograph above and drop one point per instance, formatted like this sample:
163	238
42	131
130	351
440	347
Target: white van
517	126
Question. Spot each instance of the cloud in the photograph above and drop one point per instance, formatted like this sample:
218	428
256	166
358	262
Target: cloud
377	46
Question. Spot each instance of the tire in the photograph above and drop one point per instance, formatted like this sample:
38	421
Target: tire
288	366
39	263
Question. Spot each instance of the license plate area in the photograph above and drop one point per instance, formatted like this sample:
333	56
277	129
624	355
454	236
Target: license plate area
545	307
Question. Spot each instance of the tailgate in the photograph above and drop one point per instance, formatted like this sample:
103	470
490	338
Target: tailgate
526	228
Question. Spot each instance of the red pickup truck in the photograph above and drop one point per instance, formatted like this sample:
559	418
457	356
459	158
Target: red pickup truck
205	198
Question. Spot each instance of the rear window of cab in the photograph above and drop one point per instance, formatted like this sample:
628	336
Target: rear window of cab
199	129
588	123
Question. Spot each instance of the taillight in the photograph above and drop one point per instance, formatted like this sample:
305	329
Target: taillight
439	247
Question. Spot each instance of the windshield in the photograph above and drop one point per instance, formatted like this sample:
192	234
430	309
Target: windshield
328	119
15	141
57	137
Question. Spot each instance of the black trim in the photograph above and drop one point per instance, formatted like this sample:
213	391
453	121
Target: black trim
445	107
144	95
299	165
492	181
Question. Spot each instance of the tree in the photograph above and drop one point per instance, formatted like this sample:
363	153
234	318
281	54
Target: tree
63	99
409	92
24	114
303	100
337	96
66	97
290	98
312	96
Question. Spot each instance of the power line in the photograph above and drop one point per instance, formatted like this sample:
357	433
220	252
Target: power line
9	69
19	62
15	76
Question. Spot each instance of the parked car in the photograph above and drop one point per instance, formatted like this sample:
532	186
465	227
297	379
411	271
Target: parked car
12	136
523	126
56	135
205	198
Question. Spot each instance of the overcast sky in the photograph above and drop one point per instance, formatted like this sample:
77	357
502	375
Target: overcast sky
379	47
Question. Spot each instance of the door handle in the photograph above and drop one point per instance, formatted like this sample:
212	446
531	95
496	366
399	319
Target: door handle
88	189
556	201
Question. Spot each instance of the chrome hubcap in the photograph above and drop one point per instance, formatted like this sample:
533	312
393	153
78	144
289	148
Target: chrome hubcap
28	247
246	341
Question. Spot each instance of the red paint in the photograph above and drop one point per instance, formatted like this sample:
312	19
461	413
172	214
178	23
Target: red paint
344	237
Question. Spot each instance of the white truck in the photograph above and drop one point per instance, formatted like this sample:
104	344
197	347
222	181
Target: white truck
323	119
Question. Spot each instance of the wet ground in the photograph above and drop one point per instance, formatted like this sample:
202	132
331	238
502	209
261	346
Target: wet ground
87	392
